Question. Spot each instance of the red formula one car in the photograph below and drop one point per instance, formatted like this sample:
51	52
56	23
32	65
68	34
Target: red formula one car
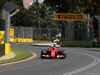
53	52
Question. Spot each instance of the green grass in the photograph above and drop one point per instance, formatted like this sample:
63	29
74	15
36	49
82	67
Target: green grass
20	54
87	44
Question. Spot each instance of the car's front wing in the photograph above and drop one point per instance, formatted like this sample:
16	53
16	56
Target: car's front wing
57	56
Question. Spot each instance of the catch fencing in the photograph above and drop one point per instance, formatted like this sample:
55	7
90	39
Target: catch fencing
77	30
69	31
29	32
23	32
46	32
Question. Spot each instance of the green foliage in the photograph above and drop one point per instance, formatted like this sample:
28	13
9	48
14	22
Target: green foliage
39	17
35	16
60	6
52	25
18	4
91	7
75	6
76	44
43	23
23	18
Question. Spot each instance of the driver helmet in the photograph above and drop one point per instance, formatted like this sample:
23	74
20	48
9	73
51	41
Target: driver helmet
53	48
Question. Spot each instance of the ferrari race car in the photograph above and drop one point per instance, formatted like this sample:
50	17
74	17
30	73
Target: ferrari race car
54	51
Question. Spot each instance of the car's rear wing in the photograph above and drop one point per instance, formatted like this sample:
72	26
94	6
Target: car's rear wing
55	46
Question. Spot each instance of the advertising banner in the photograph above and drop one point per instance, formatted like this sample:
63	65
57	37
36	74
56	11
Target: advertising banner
61	16
2	37
11	31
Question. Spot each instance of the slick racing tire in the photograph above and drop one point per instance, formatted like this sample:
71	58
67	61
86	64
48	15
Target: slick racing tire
43	52
64	53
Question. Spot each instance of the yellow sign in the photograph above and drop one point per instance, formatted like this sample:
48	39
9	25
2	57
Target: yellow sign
11	31
24	40
61	16
2	37
21	40
7	49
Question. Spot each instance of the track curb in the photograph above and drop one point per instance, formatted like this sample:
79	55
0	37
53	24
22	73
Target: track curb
34	55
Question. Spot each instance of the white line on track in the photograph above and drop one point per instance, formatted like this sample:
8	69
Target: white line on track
96	61
24	66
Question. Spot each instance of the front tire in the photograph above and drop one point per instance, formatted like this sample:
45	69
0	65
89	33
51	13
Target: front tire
43	52
64	53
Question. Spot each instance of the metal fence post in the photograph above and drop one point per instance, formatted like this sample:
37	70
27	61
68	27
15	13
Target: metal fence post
98	17
88	24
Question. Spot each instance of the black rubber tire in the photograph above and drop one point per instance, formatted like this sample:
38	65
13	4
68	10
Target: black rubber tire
42	57
64	53
43	52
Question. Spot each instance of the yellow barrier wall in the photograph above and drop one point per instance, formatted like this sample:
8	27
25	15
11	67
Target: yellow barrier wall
49	39
7	49
20	40
11	31
13	40
24	40
2	37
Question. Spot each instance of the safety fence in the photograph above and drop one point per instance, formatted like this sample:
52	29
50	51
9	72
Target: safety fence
28	34
46	32
21	34
77	30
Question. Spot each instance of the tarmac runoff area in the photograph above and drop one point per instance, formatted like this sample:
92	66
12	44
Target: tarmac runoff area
12	55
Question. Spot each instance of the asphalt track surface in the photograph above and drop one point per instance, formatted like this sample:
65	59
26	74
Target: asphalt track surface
79	61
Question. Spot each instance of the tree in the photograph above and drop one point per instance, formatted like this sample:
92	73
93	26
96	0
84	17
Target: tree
42	14
18	4
75	6
59	6
91	7
23	18
36	16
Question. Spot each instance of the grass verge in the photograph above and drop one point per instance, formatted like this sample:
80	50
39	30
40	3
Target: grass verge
86	44
20	54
